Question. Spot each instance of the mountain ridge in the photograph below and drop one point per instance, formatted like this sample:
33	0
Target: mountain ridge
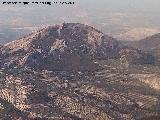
68	39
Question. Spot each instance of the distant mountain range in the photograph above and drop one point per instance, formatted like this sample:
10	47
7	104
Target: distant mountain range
150	44
136	34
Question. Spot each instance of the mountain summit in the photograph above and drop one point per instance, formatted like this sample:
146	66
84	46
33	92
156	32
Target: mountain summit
60	46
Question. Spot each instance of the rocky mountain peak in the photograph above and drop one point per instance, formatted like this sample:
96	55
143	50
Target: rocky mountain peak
61	43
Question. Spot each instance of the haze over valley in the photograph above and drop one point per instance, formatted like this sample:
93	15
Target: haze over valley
123	19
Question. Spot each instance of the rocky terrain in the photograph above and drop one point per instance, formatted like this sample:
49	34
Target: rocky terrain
150	44
75	72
